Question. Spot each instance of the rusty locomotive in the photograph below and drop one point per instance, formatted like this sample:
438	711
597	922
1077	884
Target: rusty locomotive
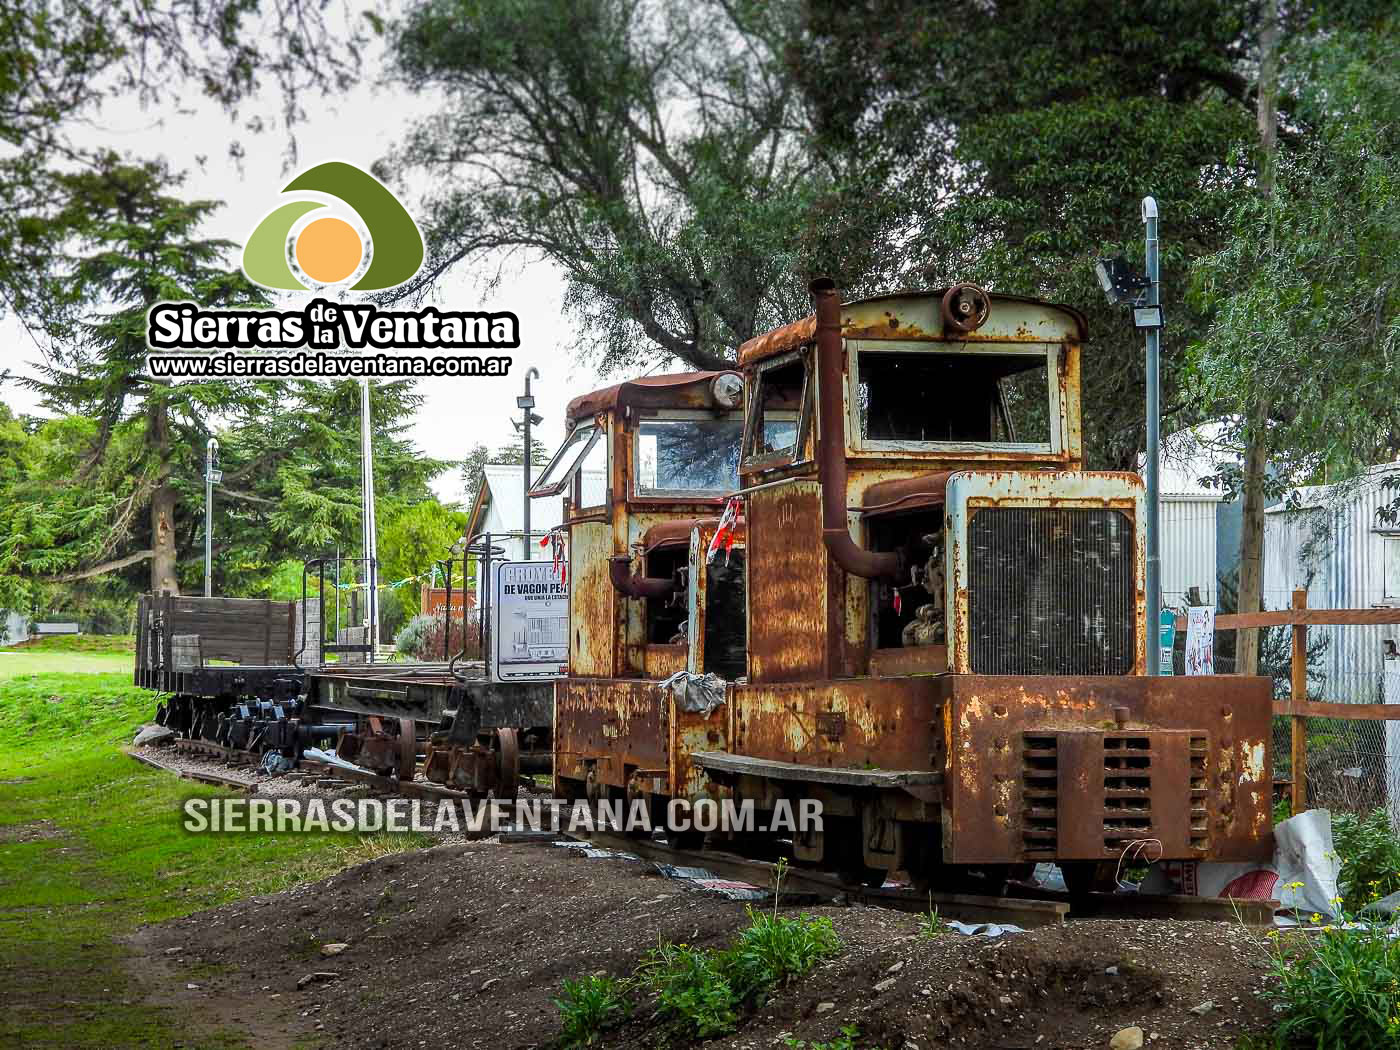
927	616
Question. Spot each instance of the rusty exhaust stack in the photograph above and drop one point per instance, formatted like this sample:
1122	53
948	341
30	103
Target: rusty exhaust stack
635	585
831	444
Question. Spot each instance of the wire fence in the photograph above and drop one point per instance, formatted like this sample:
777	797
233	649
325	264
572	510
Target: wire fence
1351	764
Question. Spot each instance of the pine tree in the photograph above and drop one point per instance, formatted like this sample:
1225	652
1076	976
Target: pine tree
135	244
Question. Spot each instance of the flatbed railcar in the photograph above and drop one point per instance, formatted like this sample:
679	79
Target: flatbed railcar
238	672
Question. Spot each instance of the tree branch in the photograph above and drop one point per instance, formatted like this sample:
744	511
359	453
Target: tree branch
98	570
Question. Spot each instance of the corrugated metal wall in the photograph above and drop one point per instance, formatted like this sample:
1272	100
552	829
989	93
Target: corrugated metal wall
1188	549
1337	554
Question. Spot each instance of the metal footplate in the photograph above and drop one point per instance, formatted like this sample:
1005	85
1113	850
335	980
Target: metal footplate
723	762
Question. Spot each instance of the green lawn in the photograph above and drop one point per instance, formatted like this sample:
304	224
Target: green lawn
17	662
91	847
73	654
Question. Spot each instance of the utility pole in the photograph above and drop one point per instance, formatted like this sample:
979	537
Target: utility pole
527	405
1249	597
367	519
211	477
1154	453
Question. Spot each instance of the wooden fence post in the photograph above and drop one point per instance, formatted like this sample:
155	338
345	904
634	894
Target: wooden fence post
1298	687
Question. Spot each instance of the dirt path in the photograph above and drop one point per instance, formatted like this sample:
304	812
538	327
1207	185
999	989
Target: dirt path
465	946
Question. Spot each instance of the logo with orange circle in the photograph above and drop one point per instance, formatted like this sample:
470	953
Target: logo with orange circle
331	249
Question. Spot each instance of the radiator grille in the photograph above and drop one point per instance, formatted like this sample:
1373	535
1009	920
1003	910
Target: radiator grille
1051	590
1136	801
1040	815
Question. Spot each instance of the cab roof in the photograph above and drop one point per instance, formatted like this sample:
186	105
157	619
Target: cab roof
915	316
679	390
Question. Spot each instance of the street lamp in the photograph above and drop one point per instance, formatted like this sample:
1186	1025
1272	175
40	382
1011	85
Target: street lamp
212	477
1122	284
526	404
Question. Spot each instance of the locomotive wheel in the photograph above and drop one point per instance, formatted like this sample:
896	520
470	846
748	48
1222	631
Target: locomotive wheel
690	839
1083	877
408	750
508	758
844	853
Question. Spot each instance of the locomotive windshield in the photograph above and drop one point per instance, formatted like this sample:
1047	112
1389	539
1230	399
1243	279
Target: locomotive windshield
968	397
692	456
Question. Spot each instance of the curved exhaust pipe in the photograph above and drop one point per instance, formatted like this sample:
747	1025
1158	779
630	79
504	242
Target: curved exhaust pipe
635	585
831	444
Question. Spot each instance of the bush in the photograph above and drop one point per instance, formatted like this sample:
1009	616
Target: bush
690	987
1369	849
703	991
589	1006
1341	991
421	638
775	949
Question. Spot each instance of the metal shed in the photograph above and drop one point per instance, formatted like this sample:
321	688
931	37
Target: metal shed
1329	541
1189	519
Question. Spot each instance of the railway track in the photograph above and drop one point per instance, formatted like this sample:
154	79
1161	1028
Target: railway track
191	774
309	768
1032	907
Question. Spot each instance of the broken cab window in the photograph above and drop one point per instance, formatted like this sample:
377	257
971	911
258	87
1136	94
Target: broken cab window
778	409
688	456
954	398
726	618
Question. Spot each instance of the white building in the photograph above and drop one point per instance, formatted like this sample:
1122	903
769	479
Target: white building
498	508
1190	516
14	627
1329	541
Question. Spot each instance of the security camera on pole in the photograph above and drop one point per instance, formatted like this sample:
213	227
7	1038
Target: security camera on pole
1123	284
527	404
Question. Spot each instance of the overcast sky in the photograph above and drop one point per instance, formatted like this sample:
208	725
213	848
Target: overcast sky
457	412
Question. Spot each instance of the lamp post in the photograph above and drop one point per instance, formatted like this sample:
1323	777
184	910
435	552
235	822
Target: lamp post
211	478
1123	285
367	519
526	404
1154	413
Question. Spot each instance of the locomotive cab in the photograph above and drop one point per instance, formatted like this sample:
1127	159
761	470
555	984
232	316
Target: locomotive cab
646	465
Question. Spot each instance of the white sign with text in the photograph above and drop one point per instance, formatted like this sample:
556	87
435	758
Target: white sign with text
529	620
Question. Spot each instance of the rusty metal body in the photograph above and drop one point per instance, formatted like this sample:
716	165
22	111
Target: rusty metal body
915	456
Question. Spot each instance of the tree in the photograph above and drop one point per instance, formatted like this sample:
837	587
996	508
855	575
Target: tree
135	245
412	541
1028	133
49	526
1306	293
61	60
292	474
513	454
290	451
652	151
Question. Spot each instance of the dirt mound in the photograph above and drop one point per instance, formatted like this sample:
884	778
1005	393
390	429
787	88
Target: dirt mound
466	946
1064	987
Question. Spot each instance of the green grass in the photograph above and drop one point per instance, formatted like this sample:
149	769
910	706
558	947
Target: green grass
79	643
16	663
588	1007
107	855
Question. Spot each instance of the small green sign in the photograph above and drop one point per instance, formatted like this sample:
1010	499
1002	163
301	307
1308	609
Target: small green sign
1166	640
